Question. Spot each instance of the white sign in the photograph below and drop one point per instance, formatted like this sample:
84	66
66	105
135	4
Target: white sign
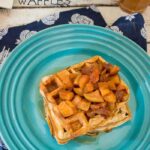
45	2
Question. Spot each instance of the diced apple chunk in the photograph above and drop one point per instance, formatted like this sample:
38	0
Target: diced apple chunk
115	79
94	76
81	103
77	99
66	108
64	76
111	85
121	87
89	87
66	95
103	84
94	96
83	80
78	91
114	70
111	98
84	105
76	81
104	89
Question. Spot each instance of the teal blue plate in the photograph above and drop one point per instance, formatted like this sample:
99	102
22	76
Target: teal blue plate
22	122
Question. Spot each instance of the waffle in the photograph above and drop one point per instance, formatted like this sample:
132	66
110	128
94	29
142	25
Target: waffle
86	98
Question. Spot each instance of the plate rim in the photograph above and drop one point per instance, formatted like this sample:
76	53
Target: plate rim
76	25
65	26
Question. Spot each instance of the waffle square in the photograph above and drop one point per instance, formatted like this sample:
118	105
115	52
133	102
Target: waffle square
86	98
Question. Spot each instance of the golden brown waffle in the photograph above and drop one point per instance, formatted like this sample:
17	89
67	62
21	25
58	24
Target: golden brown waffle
85	98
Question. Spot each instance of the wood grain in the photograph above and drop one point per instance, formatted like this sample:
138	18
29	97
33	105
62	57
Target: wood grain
17	17
52	3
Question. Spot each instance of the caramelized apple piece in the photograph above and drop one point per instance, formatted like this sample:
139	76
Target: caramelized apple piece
114	70
66	108
83	80
103	87
81	103
111	85
64	77
95	86
111	98
76	81
94	76
89	87
108	67
121	87
103	72
69	103
84	105
104	77
100	66
78	91
66	95
104	91
94	96
115	79
77	99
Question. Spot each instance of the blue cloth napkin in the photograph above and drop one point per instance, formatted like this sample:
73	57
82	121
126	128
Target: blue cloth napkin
131	26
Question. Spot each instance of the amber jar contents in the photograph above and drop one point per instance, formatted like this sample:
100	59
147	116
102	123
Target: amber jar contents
134	5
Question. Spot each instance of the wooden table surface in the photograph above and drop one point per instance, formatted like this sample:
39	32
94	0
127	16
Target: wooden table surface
26	11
